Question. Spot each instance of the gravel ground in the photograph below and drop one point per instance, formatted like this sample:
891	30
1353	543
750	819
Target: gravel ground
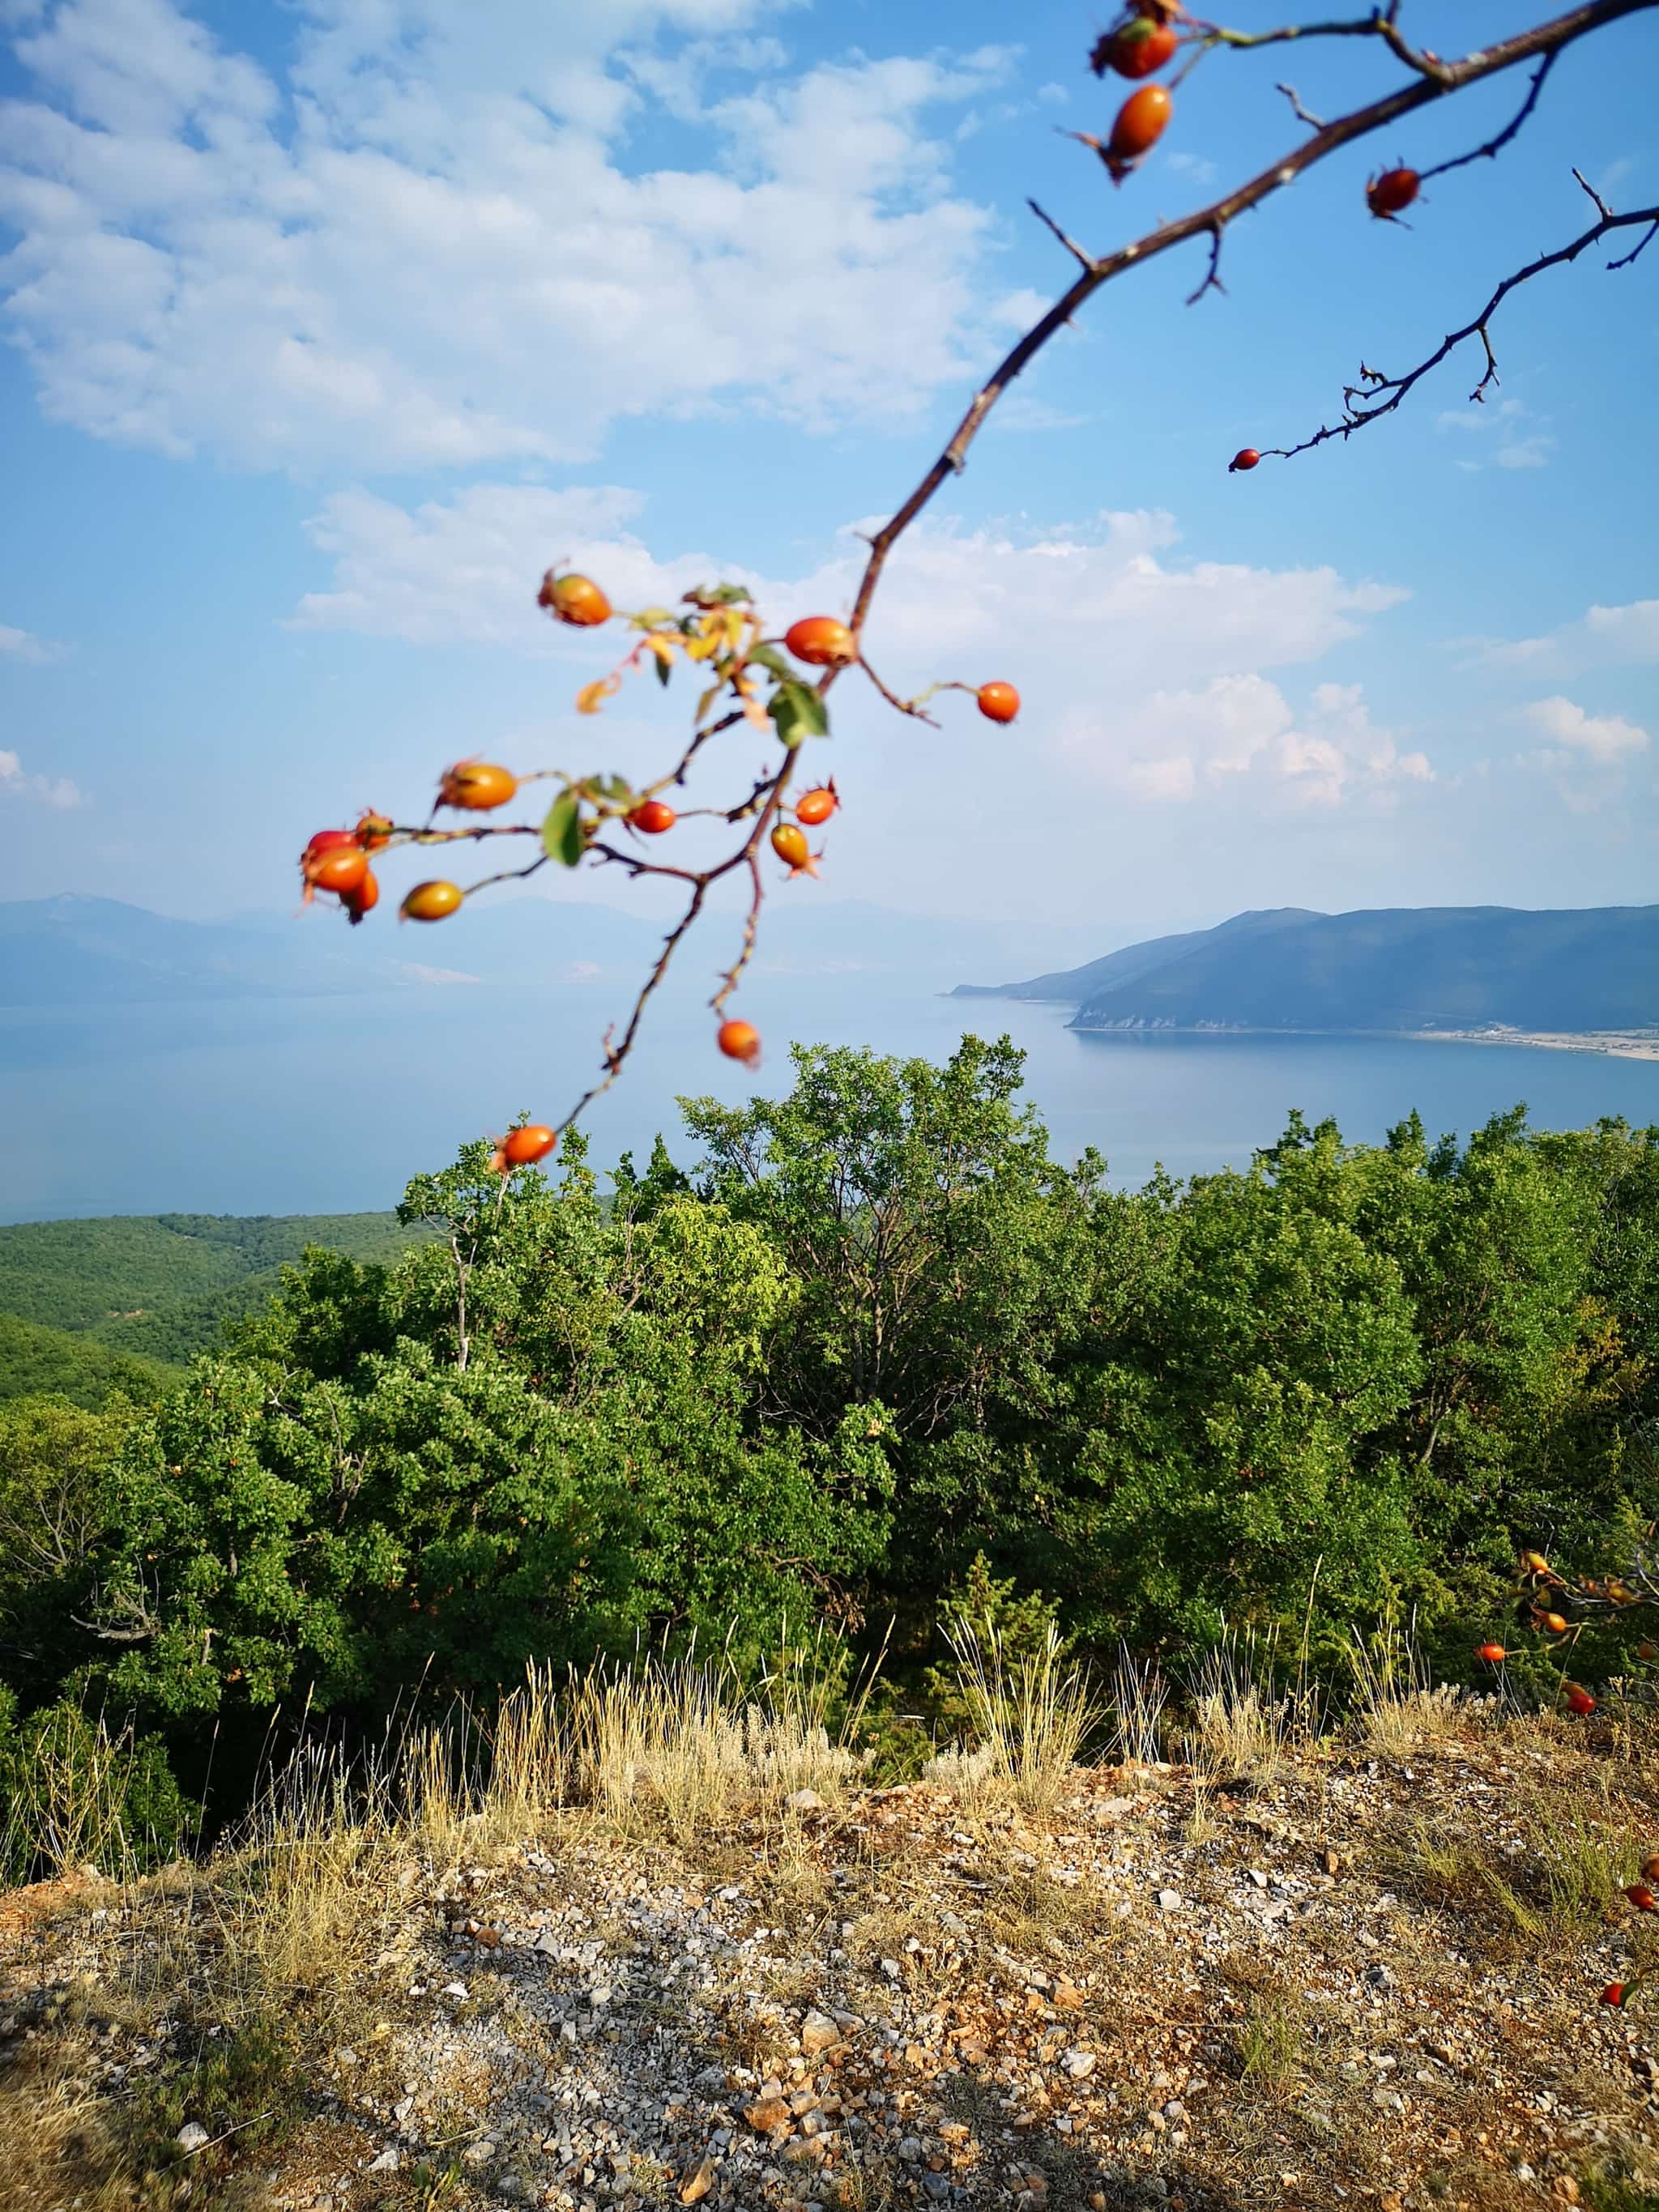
1298	1991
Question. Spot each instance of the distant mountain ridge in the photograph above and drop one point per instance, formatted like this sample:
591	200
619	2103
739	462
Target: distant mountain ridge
91	953
1403	968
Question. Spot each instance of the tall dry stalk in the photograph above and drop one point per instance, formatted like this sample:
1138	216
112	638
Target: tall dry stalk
1031	1715
1398	1704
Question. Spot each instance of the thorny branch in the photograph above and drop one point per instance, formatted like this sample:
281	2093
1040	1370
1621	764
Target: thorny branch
1435	78
1377	395
1494	147
1433	84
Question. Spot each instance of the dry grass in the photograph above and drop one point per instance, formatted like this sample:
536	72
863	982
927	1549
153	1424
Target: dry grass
1031	1716
53	2139
1399	1706
1243	1724
1135	1707
67	1808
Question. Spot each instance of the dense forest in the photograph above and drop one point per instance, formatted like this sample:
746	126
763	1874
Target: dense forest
77	1297
869	1342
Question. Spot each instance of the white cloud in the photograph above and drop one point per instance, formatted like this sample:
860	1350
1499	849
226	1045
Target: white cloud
1602	738
1590	754
438	204
1089	621
23	645
1602	637
1240	735
1099	596
48	790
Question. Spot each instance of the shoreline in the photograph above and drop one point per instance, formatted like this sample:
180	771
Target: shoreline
1615	1044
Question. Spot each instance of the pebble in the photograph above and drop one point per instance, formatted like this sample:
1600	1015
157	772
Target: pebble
191	2136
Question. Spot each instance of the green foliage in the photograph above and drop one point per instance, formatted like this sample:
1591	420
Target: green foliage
35	1361
530	1440
876	1346
1019	1629
75	1792
248	2079
160	1286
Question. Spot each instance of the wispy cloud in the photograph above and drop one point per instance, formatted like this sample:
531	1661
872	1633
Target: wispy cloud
1513	447
23	645
45	790
1602	637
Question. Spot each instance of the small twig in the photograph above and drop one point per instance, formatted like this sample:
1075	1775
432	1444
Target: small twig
1490	376
1493	147
733	975
1585	186
1624	260
904	706
1302	115
1212	281
1070	244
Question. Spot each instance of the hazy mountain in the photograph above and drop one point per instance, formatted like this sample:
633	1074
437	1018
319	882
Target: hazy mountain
73	951
1404	969
1072	986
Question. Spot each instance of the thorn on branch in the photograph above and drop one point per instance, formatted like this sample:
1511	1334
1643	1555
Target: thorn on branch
1301	113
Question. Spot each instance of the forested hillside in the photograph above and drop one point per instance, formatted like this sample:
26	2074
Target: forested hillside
158	1287
870	1345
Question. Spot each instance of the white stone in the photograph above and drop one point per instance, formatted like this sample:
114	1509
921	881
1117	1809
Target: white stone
191	2136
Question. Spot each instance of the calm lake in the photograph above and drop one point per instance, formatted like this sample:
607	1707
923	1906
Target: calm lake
285	1106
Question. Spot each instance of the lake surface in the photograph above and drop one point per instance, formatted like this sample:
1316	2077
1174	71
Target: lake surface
287	1106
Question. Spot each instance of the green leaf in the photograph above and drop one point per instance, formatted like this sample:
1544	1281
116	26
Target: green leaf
768	656
561	832
664	669
798	713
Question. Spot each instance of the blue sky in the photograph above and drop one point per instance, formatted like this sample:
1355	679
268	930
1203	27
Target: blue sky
330	324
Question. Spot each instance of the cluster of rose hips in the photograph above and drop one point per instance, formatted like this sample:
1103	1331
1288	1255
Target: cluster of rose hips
1142	40
723	633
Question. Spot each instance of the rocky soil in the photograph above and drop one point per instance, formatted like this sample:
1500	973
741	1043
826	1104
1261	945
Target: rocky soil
1363	1980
